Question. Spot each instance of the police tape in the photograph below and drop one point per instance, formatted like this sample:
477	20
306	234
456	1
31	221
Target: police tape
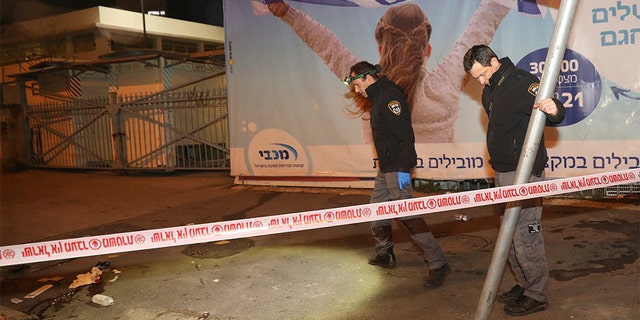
226	230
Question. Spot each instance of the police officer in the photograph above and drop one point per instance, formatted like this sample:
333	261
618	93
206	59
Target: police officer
394	141
508	99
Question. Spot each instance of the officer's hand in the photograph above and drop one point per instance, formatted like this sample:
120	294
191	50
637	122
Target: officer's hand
547	106
404	179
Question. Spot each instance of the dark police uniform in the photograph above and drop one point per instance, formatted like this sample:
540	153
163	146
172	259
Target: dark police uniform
508	101
394	142
391	127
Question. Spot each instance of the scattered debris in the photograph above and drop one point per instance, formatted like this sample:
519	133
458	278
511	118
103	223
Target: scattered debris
52	279
87	278
116	272
103	265
102	300
16	300
38	291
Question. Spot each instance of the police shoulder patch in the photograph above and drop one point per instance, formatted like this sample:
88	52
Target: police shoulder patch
533	89
395	107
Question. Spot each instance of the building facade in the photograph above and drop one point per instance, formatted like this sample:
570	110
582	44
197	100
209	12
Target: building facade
115	89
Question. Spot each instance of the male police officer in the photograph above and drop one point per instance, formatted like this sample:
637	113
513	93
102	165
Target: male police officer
508	98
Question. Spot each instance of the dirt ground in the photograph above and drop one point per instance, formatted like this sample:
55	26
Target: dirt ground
592	251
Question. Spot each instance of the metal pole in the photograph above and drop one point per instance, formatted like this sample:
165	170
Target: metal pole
530	148
26	125
144	26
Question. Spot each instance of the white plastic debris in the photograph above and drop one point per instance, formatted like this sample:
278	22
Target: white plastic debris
102	300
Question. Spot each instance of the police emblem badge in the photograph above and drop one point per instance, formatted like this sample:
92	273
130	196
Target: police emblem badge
395	107
533	89
535	228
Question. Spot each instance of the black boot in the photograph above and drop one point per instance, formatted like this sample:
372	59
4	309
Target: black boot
385	260
512	295
436	277
525	305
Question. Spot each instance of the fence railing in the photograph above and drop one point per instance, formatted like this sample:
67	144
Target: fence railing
175	130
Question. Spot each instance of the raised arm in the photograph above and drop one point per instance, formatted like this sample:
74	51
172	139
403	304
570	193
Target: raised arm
317	37
480	30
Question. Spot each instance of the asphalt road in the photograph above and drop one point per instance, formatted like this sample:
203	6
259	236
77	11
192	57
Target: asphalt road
592	249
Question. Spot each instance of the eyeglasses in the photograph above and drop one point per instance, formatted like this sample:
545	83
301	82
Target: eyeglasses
350	79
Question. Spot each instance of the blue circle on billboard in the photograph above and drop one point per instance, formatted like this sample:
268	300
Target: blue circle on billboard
578	86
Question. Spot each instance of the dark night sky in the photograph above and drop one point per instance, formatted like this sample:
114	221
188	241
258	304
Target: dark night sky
203	11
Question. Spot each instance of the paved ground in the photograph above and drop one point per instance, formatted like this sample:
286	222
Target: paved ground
592	248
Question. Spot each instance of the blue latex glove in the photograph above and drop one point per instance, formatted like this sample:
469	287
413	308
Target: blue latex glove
404	179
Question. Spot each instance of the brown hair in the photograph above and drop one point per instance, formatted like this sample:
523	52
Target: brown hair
403	34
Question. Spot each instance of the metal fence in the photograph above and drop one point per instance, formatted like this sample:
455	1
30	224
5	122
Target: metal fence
176	130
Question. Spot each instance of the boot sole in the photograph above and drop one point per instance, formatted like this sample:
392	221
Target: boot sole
525	312
508	300
386	266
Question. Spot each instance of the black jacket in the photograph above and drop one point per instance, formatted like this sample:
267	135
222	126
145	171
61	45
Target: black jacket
391	126
508	101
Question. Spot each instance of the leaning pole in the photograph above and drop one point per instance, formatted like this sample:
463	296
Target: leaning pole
535	129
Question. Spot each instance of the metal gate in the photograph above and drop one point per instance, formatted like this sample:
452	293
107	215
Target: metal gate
175	130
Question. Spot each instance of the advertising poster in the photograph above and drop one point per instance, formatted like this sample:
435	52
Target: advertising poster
290	118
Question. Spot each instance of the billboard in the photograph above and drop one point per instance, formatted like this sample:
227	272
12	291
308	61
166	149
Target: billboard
289	117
